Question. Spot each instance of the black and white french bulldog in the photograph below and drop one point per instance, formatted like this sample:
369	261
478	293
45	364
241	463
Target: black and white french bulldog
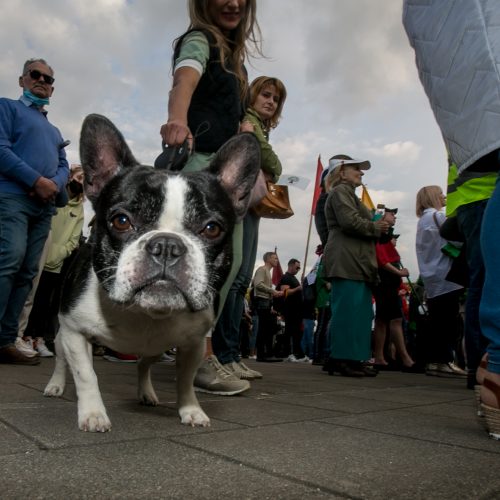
148	279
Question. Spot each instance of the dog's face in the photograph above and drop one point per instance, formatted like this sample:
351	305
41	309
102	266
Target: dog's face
162	242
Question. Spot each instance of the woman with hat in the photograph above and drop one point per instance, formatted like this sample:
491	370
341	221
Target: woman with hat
350	264
388	310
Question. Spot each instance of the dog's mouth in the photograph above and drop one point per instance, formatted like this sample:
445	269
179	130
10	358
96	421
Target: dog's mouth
165	296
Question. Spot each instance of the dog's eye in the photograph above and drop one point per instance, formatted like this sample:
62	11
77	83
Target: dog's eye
121	222
211	231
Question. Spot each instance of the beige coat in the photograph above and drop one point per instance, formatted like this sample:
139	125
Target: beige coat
350	249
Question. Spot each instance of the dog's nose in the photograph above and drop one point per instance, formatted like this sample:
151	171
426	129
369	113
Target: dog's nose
166	247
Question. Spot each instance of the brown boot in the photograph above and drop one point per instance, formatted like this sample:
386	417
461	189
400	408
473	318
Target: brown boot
10	355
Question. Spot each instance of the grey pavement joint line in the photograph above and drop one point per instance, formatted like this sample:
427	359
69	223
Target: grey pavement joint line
262	470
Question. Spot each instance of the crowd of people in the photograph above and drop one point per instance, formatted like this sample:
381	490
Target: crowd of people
350	314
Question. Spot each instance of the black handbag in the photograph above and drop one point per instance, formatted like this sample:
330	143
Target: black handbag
459	271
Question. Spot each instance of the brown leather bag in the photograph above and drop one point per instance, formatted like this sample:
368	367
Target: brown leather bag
275	204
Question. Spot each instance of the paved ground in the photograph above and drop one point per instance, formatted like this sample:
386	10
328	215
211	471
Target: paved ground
298	433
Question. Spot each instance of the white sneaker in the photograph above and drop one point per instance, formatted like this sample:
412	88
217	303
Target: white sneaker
25	347
305	359
241	371
291	359
42	349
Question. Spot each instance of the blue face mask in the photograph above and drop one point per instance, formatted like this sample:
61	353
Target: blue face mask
37	101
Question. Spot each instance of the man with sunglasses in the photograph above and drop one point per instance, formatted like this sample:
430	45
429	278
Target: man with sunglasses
33	170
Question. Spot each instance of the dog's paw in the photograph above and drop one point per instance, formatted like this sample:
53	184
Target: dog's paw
194	416
53	390
94	421
149	399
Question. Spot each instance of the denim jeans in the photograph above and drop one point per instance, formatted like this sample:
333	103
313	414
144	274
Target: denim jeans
307	342
489	310
24	227
469	218
226	334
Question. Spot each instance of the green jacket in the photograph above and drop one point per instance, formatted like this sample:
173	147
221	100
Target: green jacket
270	163
350	249
65	234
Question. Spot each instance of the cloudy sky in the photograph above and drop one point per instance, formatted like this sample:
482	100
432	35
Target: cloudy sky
347	65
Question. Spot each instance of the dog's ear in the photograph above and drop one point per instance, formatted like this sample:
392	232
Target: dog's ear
103	152
237	164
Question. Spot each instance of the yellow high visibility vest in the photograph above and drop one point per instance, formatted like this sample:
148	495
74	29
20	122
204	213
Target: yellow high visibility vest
467	188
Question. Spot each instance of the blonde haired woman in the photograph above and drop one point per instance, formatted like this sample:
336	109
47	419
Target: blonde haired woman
210	82
442	296
205	107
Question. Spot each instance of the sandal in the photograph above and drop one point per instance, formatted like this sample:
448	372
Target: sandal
491	413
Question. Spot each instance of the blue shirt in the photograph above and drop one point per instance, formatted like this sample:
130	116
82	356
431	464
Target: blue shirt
30	147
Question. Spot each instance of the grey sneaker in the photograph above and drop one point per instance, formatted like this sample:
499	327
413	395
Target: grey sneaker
213	378
241	371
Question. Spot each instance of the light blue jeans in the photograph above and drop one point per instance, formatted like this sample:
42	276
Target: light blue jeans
307	342
489	310
24	227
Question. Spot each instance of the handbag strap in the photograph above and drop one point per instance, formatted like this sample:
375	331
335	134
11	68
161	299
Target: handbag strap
436	220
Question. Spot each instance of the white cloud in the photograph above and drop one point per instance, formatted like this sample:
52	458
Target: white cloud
402	150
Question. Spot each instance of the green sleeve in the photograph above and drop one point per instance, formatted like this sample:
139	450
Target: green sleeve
194	47
270	162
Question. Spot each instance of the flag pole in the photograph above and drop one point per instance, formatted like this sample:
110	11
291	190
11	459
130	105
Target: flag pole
307	248
316	193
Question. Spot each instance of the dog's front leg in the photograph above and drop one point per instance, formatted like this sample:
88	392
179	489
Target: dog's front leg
187	363
91	412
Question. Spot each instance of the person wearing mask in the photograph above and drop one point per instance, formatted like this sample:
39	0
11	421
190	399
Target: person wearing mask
66	229
33	176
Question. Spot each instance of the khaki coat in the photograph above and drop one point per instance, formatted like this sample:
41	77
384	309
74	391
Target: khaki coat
350	249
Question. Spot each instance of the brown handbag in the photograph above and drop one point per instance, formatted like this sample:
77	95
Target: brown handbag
275	204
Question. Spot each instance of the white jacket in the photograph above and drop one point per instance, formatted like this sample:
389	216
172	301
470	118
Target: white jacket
433	264
457	51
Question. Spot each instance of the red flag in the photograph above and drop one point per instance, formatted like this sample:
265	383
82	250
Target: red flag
277	271
317	187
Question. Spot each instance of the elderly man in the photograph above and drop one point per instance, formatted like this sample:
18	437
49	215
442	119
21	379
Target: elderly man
33	171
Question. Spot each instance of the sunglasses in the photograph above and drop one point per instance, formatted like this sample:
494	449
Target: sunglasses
35	75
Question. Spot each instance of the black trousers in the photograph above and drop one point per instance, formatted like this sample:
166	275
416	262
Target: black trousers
43	317
293	335
266	330
443	334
